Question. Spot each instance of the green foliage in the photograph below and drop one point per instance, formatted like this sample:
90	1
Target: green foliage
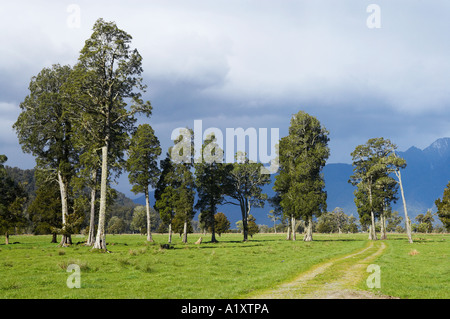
252	226
336	222
443	206
142	162
244	184
221	223
373	162
116	225
210	178
12	200
303	154
45	210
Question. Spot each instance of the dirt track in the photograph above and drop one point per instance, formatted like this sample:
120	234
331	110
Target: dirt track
334	279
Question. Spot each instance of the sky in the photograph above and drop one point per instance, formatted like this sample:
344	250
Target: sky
364	72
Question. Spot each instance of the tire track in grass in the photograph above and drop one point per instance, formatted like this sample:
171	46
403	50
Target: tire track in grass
332	279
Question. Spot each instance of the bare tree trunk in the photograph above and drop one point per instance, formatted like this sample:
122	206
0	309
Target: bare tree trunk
407	220
6	238
91	237
149	223
383	224
170	233
54	241
100	240
288	236
309	230
294	236
373	234
66	238
185	232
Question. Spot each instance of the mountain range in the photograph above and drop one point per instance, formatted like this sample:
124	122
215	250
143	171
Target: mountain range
424	180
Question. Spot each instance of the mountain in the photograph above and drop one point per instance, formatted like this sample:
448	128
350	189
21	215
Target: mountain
424	179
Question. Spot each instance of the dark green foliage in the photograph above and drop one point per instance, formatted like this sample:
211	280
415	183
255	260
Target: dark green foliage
210	179
443	206
222	224
302	156
244	184
12	200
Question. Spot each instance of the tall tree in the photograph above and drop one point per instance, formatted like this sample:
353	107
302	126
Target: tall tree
300	183
244	184
182	156
142	165
443	206
45	210
12	199
395	164
45	130
210	178
164	193
373	164
106	92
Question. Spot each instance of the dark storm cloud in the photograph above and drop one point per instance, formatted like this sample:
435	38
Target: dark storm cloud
255	63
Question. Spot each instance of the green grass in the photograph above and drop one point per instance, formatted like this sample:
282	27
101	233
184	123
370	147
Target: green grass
35	268
420	270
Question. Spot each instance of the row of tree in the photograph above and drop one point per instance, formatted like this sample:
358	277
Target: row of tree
80	124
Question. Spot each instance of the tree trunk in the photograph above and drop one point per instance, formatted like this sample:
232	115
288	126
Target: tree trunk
185	232
91	237
100	240
245	209
383	224
170	233
407	220
149	223
309	230
294	236
54	241
288	235
373	234
6	238
66	238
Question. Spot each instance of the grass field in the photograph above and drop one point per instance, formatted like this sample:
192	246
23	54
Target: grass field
32	267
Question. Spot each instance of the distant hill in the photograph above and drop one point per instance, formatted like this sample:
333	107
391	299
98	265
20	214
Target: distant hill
424	179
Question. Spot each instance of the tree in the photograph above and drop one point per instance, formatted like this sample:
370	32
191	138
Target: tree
252	226
45	130
273	217
182	156
142	165
139	221
106	78
175	192
12	199
425	222
210	178
116	225
376	189
393	221
443	206
45	210
245	186
300	183
395	163
165	194
222	224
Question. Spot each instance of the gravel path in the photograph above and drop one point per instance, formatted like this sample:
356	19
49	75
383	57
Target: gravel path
334	279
